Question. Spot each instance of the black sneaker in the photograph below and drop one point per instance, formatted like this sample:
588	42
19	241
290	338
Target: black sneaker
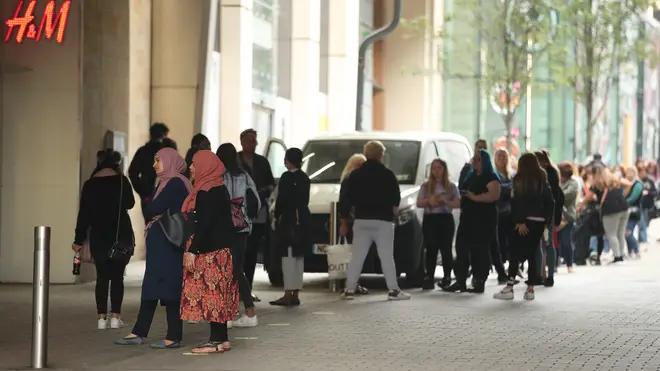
549	282
428	284
478	287
444	283
502	279
455	287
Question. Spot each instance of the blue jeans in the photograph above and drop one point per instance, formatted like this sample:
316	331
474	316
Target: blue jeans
565	244
642	226
550	254
633	246
593	244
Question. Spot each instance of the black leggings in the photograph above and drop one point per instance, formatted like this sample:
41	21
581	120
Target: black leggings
255	241
219	332
238	256
474	236
527	248
438	232
109	277
146	316
504	229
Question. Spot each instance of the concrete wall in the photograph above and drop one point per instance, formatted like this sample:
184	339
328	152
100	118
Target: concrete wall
40	151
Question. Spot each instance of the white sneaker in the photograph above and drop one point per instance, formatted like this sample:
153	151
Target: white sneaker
230	324
529	295
102	324
398	295
245	321
116	323
505	294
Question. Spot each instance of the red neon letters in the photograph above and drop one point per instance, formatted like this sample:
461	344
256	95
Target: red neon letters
52	23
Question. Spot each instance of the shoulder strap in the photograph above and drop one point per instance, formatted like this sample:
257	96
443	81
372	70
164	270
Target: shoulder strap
121	196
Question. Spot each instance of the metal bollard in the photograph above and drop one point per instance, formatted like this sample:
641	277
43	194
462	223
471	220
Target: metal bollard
40	285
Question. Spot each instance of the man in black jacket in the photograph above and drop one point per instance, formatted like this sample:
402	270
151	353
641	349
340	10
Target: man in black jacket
141	171
372	191
259	169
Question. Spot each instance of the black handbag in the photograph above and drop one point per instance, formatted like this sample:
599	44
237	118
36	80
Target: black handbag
177	227
120	251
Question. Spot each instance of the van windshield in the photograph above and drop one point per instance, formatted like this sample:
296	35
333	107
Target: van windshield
325	159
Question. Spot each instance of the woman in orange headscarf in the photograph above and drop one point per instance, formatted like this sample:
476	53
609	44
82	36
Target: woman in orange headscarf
210	292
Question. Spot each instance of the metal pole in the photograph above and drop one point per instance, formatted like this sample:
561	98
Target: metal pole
528	100
333	224
377	35
40	283
640	97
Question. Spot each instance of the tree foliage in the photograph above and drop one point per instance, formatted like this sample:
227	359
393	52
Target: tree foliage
604	36
499	34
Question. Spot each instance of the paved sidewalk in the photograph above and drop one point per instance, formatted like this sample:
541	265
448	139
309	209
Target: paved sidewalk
599	318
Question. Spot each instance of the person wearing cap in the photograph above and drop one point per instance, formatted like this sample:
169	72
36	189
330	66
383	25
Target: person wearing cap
293	224
260	171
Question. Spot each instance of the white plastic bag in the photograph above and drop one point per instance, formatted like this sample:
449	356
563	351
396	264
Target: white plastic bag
338	258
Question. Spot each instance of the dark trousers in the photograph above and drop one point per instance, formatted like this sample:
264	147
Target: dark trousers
438	232
146	316
219	332
256	239
495	253
504	229
238	258
566	244
600	245
527	248
474	236
109	278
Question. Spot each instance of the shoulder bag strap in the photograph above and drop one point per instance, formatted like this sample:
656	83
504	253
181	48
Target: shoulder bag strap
121	196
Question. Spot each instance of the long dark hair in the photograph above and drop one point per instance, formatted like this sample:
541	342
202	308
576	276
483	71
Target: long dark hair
229	156
530	177
107	159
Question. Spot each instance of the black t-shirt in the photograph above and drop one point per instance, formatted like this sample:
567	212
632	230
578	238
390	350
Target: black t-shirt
477	184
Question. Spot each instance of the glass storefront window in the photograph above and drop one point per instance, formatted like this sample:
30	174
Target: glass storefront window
263	47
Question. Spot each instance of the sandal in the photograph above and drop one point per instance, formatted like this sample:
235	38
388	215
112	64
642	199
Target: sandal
208	348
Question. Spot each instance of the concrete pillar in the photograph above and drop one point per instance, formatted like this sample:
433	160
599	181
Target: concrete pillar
305	62
343	44
236	69
178	45
412	102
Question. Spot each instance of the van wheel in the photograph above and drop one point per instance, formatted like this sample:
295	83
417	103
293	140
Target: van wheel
276	278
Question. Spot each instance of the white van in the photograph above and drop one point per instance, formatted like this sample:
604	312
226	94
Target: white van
407	154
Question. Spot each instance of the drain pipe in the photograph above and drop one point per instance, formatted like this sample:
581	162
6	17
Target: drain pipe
377	35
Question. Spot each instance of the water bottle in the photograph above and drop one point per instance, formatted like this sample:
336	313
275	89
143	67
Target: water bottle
77	261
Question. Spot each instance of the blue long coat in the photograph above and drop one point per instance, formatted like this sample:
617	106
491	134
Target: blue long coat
163	276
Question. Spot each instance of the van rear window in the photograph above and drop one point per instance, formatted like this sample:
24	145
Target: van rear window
325	159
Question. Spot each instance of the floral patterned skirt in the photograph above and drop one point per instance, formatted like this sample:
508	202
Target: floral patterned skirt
210	292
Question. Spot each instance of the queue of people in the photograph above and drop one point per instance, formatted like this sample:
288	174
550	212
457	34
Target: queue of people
538	216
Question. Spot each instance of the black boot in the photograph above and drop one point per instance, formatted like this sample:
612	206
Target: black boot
502	279
456	287
478	287
429	283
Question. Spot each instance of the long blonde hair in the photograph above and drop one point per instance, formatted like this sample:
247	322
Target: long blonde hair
353	163
432	182
507	169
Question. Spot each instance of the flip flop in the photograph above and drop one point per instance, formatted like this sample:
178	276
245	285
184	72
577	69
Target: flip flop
208	348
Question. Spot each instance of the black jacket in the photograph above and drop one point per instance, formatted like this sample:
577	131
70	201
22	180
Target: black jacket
372	190
557	194
99	213
262	175
292	213
536	204
648	200
141	171
214	229
462	177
